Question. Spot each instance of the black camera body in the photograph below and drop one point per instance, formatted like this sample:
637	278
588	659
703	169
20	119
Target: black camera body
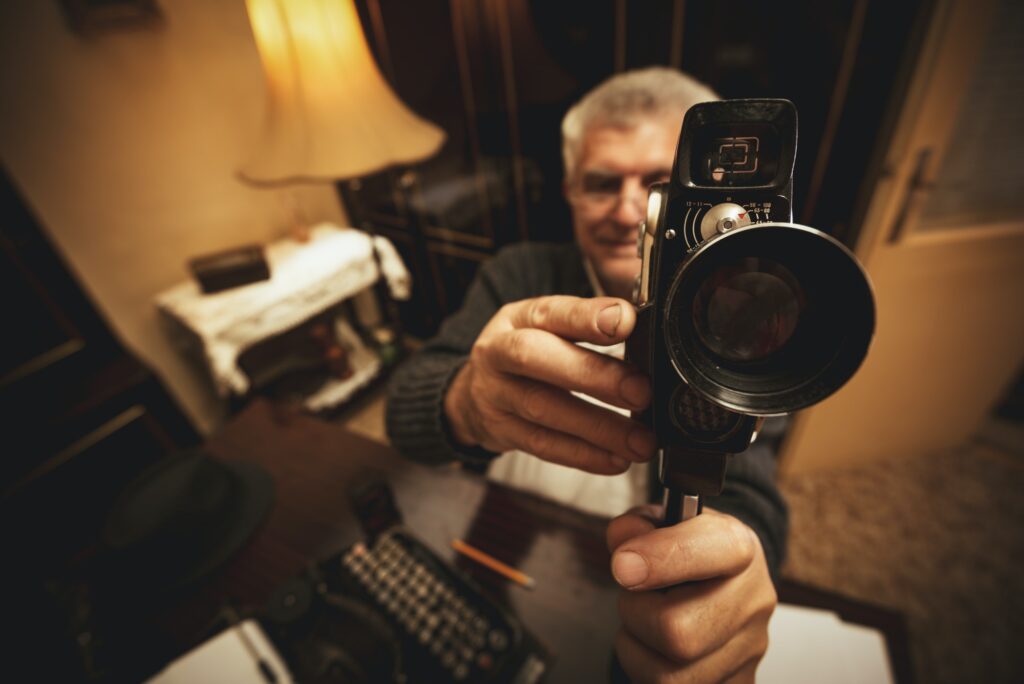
741	313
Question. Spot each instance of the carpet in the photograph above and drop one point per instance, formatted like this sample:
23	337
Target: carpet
938	538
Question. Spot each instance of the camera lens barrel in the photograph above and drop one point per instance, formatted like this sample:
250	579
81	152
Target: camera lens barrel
769	318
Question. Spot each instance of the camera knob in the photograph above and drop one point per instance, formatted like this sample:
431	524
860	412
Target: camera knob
722	218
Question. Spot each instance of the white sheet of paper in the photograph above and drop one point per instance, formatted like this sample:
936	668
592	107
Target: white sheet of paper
809	646
806	646
224	659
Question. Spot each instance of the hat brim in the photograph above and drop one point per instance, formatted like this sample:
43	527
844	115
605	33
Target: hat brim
129	570
256	495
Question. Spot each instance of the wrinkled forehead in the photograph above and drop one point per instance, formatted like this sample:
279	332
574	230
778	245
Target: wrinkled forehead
647	146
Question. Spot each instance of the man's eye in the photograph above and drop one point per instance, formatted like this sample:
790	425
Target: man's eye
656	177
601	184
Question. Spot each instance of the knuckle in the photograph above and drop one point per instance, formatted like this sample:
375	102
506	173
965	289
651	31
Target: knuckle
507	311
478	356
639	666
517	348
677	636
538	441
771	599
482	351
539	312
533	403
742	540
762	613
760	644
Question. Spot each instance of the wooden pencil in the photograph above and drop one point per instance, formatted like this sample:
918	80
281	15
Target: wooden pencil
494	564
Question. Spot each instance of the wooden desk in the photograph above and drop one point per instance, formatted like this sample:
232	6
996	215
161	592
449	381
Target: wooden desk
573	607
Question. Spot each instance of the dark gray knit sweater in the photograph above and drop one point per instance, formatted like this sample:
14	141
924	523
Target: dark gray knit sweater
415	421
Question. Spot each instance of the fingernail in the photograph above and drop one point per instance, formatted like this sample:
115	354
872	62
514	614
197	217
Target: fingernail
619	462
629	568
608	319
641	442
636	390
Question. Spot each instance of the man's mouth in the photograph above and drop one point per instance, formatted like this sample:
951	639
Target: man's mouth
616	244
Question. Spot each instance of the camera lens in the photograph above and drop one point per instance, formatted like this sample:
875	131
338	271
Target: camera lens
747	310
768	319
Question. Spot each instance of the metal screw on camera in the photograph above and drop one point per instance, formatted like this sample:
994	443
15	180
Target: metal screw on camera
670	234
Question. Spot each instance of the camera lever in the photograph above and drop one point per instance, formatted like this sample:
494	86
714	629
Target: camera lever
689	475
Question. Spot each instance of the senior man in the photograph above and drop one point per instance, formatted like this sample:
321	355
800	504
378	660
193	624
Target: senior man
527	377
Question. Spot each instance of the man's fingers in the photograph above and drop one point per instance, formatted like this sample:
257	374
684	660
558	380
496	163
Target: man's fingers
559	410
693	620
711	625
710	545
543	356
643	664
684	623
559	447
599	320
734	663
633	523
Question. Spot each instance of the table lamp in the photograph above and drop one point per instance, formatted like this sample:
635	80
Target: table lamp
330	113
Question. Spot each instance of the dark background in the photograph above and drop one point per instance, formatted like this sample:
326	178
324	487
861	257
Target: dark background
499	75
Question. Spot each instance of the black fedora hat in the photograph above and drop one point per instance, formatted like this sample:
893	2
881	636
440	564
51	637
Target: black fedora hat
182	518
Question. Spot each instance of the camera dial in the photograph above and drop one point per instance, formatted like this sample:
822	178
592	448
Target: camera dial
722	218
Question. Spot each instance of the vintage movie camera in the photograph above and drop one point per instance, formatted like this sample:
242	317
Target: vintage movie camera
741	313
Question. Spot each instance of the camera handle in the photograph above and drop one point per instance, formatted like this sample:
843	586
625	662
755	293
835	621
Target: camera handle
680	507
688	476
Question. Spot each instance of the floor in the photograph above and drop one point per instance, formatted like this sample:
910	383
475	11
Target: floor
940	539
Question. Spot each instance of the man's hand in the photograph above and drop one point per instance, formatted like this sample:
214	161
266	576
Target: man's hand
514	392
711	625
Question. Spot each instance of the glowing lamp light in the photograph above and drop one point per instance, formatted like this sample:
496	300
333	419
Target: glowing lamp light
330	113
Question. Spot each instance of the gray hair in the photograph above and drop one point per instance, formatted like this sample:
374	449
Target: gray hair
627	99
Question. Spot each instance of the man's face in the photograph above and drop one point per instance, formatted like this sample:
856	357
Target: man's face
608	194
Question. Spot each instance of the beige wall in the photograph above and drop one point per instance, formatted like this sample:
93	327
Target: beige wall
126	144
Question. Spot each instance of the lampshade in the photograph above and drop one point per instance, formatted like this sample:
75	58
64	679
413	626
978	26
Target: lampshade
331	114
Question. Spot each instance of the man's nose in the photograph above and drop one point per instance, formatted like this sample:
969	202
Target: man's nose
629	210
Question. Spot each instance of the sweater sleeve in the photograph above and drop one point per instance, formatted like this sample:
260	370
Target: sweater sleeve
415	419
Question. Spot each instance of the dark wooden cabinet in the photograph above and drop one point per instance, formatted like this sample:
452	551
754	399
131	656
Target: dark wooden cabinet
81	416
499	76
